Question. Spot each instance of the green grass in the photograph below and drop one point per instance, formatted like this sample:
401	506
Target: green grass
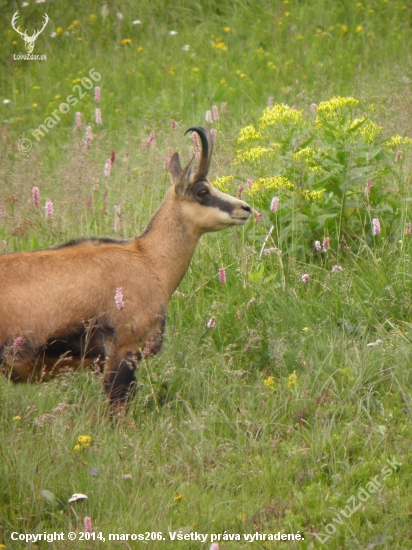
207	445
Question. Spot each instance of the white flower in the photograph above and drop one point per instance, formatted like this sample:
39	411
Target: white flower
186	48
6	101
78	496
119	16
53	35
172	33
25	4
137	22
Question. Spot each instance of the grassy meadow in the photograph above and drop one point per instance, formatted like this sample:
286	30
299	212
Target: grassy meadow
293	412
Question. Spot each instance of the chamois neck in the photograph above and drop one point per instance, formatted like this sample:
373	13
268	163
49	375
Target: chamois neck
169	244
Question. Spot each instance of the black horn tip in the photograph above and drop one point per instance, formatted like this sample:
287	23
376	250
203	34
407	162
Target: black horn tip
198	129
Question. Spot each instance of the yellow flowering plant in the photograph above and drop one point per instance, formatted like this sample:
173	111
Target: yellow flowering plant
318	174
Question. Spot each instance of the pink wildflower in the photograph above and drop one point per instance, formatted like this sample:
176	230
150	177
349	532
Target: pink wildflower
197	147
18	341
314	107
4	245
222	275
274	205
214	133
151	138
107	167
35	193
173	124
249	183
87	525
214	546
144	143
399	156
78	119
368	188
215	113
326	244
272	250
208	117
119	298
376	227
337	269
97	94
49	209
408	230
270	101
305	278
89	136
259	215
98	115
223	107
211	323
318	246
239	191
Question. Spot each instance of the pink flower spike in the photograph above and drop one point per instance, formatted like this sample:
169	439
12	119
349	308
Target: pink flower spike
268	251
211	323
314	107
18	341
239	191
274	205
399	156
107	167
270	102
305	278
337	269
173	124
368	188
151	138
97	94
208	117
215	113
259	216
408	230
89	136
318	246
376	227
222	275
214	133
35	193
119	298
87	525
98	115
214	546
326	244
223	107
78	119
249	183
49	209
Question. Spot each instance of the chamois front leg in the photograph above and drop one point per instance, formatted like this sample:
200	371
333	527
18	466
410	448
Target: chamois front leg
119	378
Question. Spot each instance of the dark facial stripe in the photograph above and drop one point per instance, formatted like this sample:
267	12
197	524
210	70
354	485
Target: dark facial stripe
211	200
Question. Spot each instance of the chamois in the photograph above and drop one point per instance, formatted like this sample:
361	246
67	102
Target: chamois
105	299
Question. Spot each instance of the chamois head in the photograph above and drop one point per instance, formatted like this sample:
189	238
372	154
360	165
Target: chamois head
207	208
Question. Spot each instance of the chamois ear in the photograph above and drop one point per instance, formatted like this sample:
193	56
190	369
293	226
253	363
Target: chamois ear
175	168
183	183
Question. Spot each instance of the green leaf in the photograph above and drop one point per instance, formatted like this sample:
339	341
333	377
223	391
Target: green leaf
49	496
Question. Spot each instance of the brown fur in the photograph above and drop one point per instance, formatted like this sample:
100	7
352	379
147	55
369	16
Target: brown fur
57	305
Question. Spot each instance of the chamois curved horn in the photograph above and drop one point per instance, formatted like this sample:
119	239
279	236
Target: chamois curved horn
207	148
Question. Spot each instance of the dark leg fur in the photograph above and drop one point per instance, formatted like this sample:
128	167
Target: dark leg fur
120	382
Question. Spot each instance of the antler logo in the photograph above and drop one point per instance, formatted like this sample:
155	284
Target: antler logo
29	41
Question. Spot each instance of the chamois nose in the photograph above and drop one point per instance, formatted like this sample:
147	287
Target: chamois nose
247	208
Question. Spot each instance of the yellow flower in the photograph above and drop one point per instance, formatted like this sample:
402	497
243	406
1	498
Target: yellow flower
248	133
83	441
345	28
195	69
359	28
335	105
280	113
179	497
270	382
35	105
221	183
76	23
265	184
219	46
57	97
227	29
140	49
254	154
370	131
17	417
59	31
14	43
93	17
305	154
125	41
80	39
292	381
398	140
36	87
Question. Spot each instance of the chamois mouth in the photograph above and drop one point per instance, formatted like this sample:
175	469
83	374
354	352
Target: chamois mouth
240	220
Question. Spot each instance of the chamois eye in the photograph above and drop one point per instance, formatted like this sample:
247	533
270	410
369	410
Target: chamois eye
202	193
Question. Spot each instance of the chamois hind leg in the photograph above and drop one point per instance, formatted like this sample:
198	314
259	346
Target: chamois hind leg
119	377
